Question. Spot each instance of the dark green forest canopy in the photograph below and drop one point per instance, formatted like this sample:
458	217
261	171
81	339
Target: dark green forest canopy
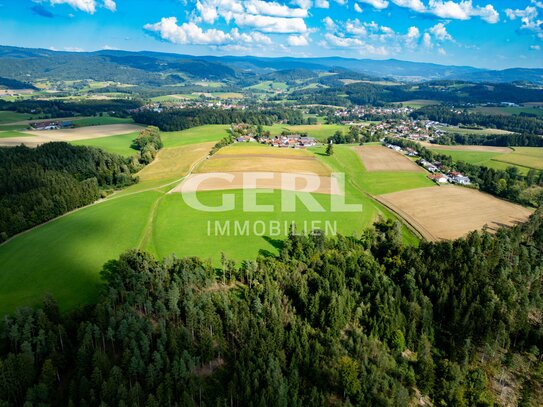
343	321
39	184
175	119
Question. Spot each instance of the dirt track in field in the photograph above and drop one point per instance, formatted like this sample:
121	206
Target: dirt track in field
37	137
450	212
259	180
379	158
489	149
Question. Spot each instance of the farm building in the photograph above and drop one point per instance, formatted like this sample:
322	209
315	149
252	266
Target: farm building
439	178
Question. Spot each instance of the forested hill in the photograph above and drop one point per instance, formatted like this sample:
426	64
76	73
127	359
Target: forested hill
341	322
39	184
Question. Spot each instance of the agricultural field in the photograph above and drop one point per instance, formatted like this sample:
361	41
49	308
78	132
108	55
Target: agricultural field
450	212
508	111
418	103
482	132
10	117
523	158
119	144
12	133
379	158
36	137
319	131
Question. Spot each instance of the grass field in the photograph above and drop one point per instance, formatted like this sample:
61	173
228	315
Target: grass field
417	103
482	132
101	120
508	111
114	144
12	133
201	134
523	158
319	131
8	116
529	157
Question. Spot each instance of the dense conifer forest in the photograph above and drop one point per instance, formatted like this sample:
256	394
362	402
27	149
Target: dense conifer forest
341	321
39	184
175	119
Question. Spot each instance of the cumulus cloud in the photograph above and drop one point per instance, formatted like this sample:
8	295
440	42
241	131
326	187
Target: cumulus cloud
427	40
529	18
378	4
415	5
535	47
270	8
357	8
412	36
298	40
88	6
464	10
329	23
190	33
355	27
439	31
271	24
322	4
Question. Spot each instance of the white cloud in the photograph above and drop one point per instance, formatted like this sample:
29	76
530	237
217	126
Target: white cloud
305	4
357	8
416	5
271	8
412	36
378	4
110	5
190	33
535	47
355	27
441	51
271	24
329	23
427	40
439	31
298	40
74	49
88	6
341	2
463	10
529	18
322	4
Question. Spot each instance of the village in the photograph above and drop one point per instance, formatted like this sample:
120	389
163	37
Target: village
245	133
438	173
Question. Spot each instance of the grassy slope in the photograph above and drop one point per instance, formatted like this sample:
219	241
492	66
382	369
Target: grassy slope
64	256
319	131
201	134
8	116
113	144
12	133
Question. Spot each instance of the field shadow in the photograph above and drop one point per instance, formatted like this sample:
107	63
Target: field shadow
276	243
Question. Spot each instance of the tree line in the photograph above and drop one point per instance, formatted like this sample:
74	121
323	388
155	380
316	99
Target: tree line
449	115
181	119
505	140
343	321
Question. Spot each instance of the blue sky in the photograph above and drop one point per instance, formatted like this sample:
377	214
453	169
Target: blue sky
483	33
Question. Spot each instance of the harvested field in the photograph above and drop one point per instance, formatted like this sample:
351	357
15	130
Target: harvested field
379	158
490	149
259	180
449	212
246	158
174	162
34	138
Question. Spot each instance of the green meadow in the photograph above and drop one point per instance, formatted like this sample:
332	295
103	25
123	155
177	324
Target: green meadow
114	144
12	133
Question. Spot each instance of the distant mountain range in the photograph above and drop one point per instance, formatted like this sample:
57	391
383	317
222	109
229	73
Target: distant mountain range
155	68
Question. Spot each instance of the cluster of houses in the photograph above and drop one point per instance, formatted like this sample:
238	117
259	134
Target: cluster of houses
291	140
51	125
407	151
439	176
362	111
415	130
245	133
